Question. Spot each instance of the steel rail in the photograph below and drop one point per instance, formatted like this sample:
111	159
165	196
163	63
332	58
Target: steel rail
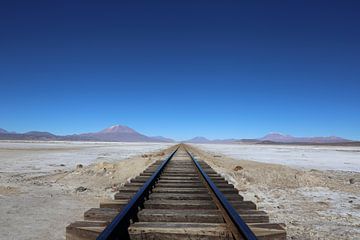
118	228
237	221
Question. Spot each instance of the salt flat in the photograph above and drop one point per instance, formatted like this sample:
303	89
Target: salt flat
309	157
42	157
313	204
38	182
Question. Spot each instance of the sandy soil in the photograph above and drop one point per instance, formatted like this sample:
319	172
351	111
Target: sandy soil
313	204
38	196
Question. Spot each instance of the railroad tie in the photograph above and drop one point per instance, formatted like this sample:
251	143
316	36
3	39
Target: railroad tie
181	205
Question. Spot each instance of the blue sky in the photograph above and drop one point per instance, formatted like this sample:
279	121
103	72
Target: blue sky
219	69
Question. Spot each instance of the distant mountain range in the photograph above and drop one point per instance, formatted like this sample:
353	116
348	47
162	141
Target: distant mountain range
273	138
120	133
117	133
205	140
278	137
198	140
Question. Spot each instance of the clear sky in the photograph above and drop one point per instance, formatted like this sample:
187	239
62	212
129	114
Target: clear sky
219	69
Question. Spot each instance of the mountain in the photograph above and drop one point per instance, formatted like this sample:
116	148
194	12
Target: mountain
121	133
281	138
118	129
277	137
40	134
34	135
205	140
198	140
162	139
230	140
117	133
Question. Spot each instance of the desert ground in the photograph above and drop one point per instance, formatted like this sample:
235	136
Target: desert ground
320	157
304	190
39	182
314	190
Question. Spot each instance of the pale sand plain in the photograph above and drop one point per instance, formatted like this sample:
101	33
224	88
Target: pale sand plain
38	182
313	202
320	157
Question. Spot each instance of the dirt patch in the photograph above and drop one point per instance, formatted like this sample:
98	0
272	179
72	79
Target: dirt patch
7	190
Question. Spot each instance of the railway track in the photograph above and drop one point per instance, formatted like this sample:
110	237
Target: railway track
179	197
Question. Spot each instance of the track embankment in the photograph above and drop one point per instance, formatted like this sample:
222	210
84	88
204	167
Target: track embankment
179	197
